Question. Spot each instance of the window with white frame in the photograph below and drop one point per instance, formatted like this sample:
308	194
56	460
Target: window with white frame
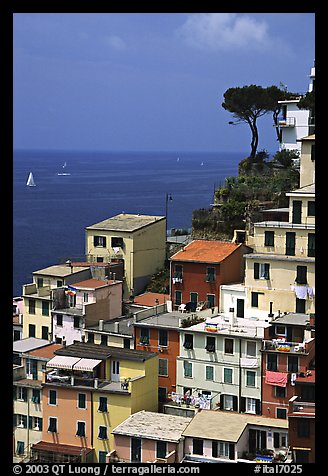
250	378
227	375
250	405
209	372
163	367
187	369
251	348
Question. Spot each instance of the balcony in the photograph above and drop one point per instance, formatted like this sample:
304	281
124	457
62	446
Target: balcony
287	122
299	408
62	378
279	345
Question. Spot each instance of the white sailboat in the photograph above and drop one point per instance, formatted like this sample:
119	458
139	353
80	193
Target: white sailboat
30	181
64	173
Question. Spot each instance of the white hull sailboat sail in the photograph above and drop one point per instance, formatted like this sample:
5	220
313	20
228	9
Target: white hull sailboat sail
30	181
64	173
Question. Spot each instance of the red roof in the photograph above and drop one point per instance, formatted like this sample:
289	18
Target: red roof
93	283
206	251
148	299
47	351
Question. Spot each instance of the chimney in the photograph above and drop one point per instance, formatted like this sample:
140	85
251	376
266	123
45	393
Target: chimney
101	324
64	341
232	319
116	327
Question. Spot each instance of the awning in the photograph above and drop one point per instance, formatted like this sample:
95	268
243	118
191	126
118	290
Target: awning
86	364
62	362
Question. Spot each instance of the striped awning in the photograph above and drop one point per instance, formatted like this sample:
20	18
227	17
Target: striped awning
86	364
62	362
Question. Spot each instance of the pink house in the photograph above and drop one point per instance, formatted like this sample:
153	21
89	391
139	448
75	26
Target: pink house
149	437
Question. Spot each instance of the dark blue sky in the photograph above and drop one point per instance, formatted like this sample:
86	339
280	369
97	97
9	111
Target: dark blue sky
150	81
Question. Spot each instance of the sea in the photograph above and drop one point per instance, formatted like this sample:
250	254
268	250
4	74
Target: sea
49	220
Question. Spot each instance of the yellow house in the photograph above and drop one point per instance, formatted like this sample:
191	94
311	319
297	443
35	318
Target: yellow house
115	382
138	391
138	240
280	273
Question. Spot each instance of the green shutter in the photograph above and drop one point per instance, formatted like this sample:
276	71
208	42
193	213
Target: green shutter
256	270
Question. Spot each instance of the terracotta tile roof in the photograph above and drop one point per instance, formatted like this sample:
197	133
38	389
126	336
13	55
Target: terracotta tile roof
46	351
93	283
206	251
148	299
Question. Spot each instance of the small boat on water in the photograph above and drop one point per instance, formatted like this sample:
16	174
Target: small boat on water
64	173
30	181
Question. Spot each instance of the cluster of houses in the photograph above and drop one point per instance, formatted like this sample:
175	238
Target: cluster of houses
220	369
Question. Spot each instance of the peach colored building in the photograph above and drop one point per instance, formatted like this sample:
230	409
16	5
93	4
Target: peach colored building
149	437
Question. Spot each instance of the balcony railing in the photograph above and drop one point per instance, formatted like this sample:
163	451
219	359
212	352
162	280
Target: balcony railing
277	345
287	122
297	406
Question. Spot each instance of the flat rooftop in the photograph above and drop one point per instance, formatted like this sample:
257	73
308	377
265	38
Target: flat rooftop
227	426
59	270
242	326
125	222
153	426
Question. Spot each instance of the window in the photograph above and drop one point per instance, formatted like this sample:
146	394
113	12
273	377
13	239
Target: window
303	428
144	336
59	283
36	395
210	344
126	343
300	305
197	446
31	330
45	332
187	369
280	391
39	282
162	394
311	209
91	338
76	323
297	212
228	346
178	297
20	448
281	331
292	363
228	402
194	297
209	372
36	423
254	299
21	394
301	272
290	243
99	241
250	405
281	413
45	308
178	272
227	375
311	244
21	421
251	348
210	275
102	404
52	427
188	341
261	271
313	152
269	238
52	397
272	363
85	297
250	378
103	339
117	242
224	449
102	433
59	320
80	430
81	400
210	300
102	456
161	449
162	337
31	306
163	367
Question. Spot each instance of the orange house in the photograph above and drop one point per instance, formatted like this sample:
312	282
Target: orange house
159	333
199	269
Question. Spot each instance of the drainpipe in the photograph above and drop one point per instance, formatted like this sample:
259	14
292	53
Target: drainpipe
239	403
